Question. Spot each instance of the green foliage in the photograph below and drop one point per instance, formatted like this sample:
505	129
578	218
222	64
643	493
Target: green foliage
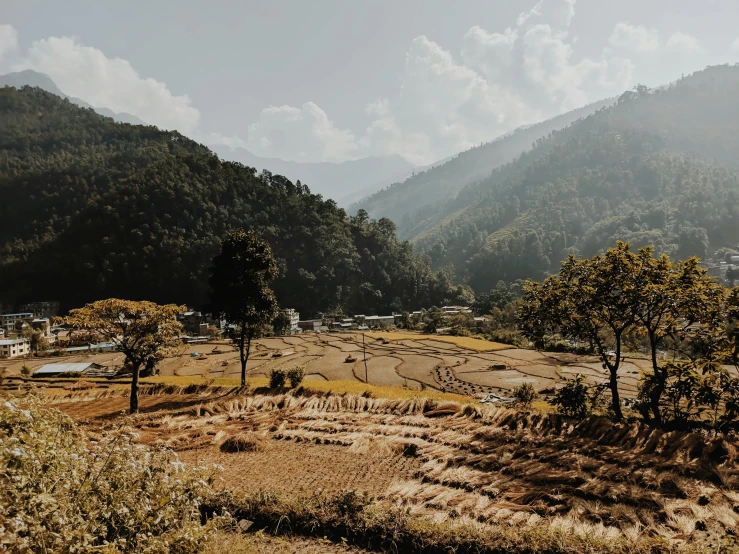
295	375
62	493
525	394
655	168
118	210
277	378
572	399
142	331
240	287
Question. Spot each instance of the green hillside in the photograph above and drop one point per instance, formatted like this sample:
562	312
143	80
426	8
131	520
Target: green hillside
410	201
92	208
658	167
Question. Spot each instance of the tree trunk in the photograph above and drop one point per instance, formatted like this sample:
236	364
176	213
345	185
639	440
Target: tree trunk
615	397
134	405
655	395
243	359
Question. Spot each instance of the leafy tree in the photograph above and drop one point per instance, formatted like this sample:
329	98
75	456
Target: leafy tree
239	285
281	323
591	301
140	330
36	339
678	307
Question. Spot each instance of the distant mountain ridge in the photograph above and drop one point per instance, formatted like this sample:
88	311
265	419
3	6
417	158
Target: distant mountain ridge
341	182
407	201
657	167
31	78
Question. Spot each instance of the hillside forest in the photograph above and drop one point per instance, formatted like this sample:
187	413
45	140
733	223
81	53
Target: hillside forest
95	209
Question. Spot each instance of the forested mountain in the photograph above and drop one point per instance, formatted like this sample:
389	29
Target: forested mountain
411	200
658	167
91	209
31	78
341	182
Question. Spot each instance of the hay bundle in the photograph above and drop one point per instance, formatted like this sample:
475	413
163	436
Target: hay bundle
244	442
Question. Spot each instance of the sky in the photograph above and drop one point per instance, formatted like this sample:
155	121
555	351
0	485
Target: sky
334	80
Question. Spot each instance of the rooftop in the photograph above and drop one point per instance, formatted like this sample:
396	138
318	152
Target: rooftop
64	368
9	342
26	314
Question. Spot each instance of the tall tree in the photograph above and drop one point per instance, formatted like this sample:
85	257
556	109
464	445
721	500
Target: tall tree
591	301
140	330
678	306
239	287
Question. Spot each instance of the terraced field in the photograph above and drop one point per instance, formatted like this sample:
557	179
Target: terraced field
448	462
451	364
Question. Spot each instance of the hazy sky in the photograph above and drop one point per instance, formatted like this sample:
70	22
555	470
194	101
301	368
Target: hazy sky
330	80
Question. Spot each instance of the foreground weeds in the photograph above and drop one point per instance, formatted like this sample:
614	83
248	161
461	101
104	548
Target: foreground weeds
60	492
356	519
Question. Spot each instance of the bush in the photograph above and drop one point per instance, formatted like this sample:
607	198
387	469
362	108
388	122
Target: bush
525	394
277	378
295	376
61	493
572	399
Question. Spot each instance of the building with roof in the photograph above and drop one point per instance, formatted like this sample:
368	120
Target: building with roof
48	309
14	348
82	368
294	318
11	322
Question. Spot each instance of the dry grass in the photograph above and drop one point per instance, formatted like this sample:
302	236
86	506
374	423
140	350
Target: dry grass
478	345
244	442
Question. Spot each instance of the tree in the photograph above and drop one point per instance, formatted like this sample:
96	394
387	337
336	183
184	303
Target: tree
140	330
678	307
591	301
239	287
281	323
36	339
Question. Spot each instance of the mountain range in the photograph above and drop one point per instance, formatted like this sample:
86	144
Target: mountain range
344	182
31	78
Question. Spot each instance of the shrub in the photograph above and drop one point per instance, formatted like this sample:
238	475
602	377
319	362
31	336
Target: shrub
572	399
277	378
25	371
61	493
525	394
295	376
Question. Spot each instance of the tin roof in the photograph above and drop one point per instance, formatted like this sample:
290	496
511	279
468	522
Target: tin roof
63	368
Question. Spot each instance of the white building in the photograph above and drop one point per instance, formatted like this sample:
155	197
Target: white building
13	348
9	321
294	318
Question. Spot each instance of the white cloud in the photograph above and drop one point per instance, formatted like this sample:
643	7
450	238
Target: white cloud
87	73
682	43
8	40
634	38
557	14
302	134
489	53
735	45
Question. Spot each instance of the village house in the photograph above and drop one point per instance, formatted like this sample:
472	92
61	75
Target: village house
294	318
14	348
40	310
13	322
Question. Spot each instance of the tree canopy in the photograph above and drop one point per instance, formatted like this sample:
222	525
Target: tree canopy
140	330
108	209
240	287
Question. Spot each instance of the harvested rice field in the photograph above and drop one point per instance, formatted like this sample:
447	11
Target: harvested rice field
459	365
448	462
